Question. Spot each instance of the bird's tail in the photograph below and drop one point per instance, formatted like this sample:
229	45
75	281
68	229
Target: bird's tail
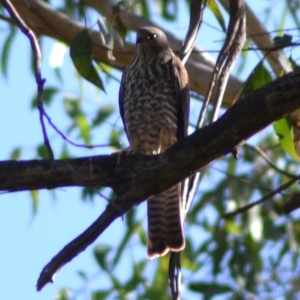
165	222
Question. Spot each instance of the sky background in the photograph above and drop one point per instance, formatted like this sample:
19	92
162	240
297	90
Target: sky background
29	241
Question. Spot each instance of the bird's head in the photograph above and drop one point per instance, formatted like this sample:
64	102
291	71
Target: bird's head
152	42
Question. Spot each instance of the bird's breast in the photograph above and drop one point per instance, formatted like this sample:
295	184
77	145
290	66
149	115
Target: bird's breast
150	102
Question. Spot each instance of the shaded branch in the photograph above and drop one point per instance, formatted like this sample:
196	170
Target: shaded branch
139	176
45	20
136	177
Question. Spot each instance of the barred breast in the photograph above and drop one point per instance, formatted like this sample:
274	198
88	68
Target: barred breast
150	105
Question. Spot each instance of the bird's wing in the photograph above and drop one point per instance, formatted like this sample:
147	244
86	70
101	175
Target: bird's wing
181	82
121	100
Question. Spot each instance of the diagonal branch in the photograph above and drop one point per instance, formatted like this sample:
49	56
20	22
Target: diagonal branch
140	176
136	177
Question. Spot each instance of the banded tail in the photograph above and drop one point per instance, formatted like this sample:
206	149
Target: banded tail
165	222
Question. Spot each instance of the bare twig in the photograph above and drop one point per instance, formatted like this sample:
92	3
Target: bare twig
79	244
6	19
72	143
236	35
267	159
245	118
37	67
196	12
235	40
263	199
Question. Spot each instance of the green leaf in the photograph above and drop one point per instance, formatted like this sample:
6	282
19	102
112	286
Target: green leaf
136	279
114	138
62	294
72	106
219	252
15	154
48	94
84	128
42	151
103	113
100	253
293	63
119	25
145	9
124	242
214	8
6	49
35	200
285	134
169	9
81	49
231	227
64	153
259	76
100	295
83	275
209	289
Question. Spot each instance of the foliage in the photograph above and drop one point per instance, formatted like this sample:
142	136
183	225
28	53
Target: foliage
251	255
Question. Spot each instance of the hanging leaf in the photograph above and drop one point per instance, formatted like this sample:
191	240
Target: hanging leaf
213	6
81	49
16	154
6	50
283	129
169	9
48	94
35	200
259	76
103	113
119	25
100	253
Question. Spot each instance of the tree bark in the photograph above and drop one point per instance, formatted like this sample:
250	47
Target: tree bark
136	177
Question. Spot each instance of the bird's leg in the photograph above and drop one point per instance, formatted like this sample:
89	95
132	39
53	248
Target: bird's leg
134	147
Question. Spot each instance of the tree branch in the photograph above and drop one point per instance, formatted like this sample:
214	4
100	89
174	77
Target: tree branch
45	20
138	176
260	36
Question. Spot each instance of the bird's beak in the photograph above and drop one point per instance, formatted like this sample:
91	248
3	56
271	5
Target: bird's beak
139	39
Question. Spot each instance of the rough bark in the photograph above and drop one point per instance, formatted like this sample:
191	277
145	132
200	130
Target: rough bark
136	177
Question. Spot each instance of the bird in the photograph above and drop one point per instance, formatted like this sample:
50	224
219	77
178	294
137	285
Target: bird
154	104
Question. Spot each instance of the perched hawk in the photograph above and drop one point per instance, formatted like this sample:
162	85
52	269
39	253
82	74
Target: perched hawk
154	105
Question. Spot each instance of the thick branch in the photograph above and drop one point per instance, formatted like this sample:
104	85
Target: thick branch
136	177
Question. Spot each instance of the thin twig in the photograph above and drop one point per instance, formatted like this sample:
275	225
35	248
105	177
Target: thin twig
238	178
37	67
75	144
267	159
236	37
6	19
261	200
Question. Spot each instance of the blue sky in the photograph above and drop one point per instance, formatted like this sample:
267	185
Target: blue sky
28	242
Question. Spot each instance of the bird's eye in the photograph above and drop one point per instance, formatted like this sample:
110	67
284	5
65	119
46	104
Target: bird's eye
151	36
